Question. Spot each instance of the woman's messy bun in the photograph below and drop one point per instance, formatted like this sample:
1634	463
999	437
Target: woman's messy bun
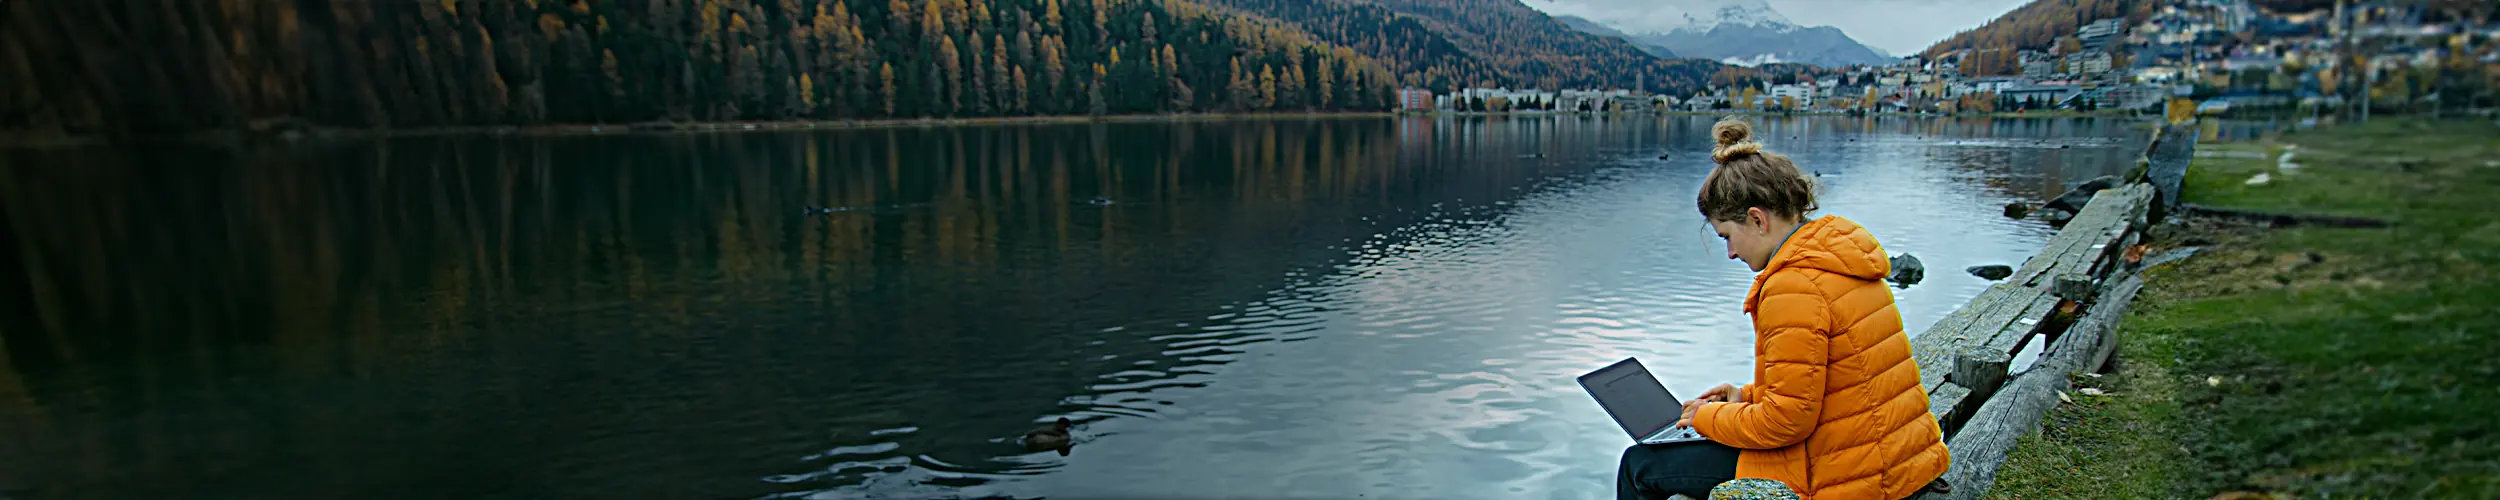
1749	177
1735	140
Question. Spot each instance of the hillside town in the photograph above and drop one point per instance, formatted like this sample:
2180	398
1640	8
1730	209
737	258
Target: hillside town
2215	55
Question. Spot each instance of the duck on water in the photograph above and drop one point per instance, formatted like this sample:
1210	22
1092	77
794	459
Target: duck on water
1051	437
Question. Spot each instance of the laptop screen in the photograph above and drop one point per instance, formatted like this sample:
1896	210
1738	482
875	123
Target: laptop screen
1633	397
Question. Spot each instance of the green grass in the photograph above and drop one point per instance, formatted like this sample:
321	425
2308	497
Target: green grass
2306	362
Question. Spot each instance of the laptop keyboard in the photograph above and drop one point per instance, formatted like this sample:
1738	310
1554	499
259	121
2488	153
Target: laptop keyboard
1678	433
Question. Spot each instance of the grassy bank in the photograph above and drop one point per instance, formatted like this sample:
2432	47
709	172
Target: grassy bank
2305	362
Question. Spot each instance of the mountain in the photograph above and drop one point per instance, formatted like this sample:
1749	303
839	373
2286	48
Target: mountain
485	63
1516	46
1755	44
1740	32
1591	27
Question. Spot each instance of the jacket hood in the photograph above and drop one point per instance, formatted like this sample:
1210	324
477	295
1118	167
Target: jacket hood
1831	244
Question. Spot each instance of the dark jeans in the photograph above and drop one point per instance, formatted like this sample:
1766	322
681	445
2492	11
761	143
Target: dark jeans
1651	472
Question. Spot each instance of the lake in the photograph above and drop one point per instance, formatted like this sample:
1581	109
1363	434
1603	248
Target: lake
1273	308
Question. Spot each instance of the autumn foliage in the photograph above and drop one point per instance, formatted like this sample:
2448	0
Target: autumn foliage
1995	48
189	66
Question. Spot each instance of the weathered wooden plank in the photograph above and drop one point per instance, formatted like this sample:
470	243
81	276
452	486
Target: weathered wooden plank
1945	401
2013	325
2094	231
1989	434
2021	326
1933	349
2076	251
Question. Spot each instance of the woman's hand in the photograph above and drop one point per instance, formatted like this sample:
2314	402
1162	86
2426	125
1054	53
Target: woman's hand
1724	393
1691	408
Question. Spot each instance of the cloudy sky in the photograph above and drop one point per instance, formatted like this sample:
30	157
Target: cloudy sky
1897	27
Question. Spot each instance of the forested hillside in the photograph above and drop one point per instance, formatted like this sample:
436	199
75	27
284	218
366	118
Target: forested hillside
171	66
1496	42
1996	46
1421	56
142	67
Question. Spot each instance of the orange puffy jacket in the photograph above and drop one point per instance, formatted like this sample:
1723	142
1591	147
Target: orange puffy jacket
1835	409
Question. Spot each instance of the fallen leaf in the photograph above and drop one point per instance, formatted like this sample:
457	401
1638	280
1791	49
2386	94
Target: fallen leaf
2093	375
2213	381
2244	495
2088	391
2061	396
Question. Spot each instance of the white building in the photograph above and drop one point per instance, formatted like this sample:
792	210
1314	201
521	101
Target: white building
1508	96
1994	84
1958	89
1800	92
1701	103
2098	34
2089	62
1594	100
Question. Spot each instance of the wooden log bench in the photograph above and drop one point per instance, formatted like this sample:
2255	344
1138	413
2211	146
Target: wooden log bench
1964	358
1983	400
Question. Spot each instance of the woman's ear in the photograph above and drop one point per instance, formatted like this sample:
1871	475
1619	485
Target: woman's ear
1758	219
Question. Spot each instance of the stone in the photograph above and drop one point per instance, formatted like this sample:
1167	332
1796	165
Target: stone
2017	210
1906	271
1753	488
2075	199
1991	272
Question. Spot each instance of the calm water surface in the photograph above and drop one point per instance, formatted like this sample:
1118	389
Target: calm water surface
1276	308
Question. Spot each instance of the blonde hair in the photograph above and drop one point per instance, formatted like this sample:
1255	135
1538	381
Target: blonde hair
1749	177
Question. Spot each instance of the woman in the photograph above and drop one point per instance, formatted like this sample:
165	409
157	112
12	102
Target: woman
1835	410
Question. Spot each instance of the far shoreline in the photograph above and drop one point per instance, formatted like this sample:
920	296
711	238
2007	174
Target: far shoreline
295	131
288	131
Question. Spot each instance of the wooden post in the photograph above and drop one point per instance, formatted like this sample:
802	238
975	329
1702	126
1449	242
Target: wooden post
1980	369
2074	286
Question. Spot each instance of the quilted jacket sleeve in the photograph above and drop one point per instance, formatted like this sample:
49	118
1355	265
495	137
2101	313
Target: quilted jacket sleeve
1788	402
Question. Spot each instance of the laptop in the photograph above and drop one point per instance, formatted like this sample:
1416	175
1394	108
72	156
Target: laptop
1639	403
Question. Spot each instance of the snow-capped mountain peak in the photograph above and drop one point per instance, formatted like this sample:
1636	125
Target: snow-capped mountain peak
1655	18
1736	12
1741	32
